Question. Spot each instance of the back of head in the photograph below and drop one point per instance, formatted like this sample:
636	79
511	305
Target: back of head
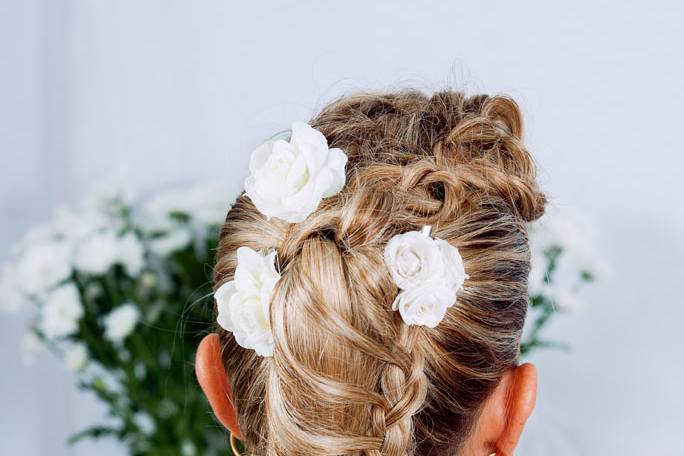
347	375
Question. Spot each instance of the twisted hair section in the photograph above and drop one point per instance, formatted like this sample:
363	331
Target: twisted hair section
348	377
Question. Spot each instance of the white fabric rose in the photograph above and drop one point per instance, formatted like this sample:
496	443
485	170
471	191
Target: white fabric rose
62	311
120	322
288	180
424	305
429	272
413	259
243	303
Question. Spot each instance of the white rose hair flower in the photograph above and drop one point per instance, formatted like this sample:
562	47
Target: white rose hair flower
243	303
413	258
424	305
429	272
289	179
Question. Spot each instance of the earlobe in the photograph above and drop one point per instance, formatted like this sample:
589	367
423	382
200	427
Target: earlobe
212	378
521	399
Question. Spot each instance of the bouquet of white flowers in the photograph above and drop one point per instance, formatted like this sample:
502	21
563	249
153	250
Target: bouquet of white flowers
122	292
563	261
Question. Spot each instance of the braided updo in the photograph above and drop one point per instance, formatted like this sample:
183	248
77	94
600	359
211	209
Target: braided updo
348	377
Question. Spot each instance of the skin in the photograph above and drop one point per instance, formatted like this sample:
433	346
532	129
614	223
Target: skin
497	430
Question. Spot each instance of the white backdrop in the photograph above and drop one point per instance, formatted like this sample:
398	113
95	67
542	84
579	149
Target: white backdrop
170	91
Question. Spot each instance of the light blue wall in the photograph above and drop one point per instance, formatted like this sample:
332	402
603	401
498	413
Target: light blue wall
170	91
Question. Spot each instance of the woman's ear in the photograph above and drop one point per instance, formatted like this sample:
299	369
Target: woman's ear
507	409
211	375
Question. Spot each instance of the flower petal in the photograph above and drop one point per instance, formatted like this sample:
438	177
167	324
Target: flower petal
424	306
223	296
260	156
248	269
311	143
454	269
337	161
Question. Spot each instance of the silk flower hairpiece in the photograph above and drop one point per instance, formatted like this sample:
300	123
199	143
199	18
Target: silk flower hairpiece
288	180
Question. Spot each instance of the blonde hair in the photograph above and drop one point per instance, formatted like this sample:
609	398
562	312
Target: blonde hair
348	377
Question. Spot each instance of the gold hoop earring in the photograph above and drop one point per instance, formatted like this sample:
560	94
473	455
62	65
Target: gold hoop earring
233	445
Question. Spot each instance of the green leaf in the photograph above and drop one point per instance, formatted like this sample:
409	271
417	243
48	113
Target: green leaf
93	432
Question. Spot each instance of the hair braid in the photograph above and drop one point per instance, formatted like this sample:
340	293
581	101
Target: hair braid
405	387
